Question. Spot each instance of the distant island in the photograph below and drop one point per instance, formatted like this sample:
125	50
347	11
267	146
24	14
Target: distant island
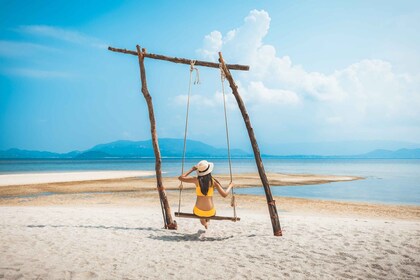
131	149
173	148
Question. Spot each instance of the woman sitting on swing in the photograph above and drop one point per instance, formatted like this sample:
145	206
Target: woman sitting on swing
204	188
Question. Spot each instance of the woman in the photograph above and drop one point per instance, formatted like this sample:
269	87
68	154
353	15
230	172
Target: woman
204	188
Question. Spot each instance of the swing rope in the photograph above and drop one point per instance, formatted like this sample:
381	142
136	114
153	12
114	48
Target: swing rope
223	78
197	81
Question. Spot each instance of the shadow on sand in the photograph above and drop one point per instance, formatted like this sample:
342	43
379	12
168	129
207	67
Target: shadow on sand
173	236
198	236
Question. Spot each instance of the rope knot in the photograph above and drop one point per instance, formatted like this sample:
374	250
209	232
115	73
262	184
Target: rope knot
222	72
192	68
233	201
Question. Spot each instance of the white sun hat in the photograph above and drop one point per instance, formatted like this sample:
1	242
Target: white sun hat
204	167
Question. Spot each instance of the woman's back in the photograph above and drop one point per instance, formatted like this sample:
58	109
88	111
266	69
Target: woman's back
204	202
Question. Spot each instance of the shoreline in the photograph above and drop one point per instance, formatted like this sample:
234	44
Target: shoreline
137	192
147	178
40	184
35	178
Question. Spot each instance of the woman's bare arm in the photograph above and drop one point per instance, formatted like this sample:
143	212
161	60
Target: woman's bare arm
184	177
220	189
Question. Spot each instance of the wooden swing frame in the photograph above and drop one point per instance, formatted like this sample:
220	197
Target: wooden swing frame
169	223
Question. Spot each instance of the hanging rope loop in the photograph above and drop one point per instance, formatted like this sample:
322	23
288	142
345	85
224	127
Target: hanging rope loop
197	74
181	186
222	79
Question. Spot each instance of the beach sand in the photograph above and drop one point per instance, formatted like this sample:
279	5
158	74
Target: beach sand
43	178
113	229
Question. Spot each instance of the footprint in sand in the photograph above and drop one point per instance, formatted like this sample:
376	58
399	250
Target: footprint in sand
85	275
377	266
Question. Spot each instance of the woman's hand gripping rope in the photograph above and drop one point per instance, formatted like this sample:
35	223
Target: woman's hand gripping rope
181	186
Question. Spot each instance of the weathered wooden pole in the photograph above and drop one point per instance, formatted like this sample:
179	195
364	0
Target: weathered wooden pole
169	222
182	60
270	202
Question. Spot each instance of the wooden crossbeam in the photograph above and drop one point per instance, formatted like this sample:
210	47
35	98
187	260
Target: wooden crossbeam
220	218
182	60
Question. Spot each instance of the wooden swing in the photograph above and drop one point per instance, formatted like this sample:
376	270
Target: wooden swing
233	201
169	223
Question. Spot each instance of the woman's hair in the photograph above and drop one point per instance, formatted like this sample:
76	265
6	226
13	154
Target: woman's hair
205	183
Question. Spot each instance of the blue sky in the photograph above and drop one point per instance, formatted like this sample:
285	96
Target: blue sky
321	72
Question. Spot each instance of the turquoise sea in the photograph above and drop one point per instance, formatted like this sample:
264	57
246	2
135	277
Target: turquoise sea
387	181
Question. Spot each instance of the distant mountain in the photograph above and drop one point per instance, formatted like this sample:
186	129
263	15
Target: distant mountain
92	155
168	148
25	154
385	154
132	149
334	148
174	148
17	153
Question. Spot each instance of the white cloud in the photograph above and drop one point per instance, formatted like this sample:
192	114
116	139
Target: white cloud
36	73
14	48
257	92
211	45
243	40
58	33
365	96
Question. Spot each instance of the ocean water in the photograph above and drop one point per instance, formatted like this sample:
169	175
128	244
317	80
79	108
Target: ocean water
386	181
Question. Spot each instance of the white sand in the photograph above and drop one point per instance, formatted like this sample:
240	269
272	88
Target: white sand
129	243
40	178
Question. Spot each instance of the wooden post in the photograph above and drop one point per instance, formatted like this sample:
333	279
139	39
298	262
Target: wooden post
270	202
169	222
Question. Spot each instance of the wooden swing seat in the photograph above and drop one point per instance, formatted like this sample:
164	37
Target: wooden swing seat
219	218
